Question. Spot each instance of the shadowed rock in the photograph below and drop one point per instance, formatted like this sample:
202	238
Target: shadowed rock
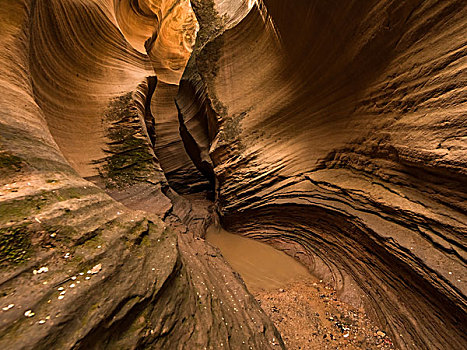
335	132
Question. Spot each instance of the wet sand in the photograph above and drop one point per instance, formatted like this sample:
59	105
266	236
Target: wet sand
261	266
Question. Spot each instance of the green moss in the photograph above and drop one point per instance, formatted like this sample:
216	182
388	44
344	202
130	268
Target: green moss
19	209
208	67
93	240
62	233
129	159
15	245
232	128
211	24
146	242
74	193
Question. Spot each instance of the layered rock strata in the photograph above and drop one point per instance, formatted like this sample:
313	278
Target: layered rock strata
345	145
79	268
335	132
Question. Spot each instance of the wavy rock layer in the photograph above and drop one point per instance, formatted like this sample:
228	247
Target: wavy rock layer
111	277
335	132
342	139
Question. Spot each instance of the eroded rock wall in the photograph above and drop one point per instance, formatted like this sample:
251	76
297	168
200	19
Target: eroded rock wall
80	269
333	131
342	138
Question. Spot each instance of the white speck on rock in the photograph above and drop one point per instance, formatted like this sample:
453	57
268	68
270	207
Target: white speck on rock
95	269
41	270
29	313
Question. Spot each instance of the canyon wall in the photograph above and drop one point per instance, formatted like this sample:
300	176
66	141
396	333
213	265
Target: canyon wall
342	139
336	132
97	251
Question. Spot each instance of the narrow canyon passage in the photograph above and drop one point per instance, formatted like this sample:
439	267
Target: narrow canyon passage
327	139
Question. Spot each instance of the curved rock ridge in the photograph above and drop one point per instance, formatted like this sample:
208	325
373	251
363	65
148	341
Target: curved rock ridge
348	149
171	45
78	62
80	269
335	132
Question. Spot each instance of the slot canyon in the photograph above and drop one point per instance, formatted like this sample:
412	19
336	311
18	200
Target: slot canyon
233	174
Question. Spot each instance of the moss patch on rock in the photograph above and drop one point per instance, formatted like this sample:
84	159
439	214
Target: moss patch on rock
129	159
21	208
207	50
231	128
15	245
210	22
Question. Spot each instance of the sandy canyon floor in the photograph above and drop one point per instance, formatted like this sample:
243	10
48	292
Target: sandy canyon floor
307	312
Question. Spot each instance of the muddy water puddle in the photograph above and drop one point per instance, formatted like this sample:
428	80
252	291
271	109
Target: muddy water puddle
261	266
306	312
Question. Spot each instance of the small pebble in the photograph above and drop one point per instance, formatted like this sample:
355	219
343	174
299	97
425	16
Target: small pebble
95	269
29	313
41	270
381	334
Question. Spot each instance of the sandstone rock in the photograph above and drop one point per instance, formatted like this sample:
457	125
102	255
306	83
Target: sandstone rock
333	131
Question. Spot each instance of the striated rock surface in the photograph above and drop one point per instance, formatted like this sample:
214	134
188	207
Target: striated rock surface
335	132
342	139
80	269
